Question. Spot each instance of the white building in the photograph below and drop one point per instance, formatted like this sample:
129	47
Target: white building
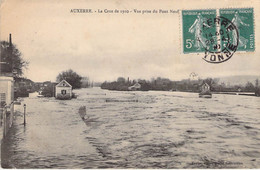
6	104
6	90
63	90
136	86
205	87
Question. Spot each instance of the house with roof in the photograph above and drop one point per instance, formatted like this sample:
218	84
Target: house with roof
205	87
63	90
136	86
205	91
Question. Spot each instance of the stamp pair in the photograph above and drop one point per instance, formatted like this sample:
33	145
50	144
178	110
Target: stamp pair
218	33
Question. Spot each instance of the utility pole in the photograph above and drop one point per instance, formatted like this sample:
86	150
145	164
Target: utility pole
24	119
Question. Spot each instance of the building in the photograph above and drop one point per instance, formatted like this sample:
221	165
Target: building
6	94
205	91
136	86
205	87
6	90
63	90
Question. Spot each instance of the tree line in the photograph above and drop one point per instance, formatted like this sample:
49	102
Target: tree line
165	84
13	63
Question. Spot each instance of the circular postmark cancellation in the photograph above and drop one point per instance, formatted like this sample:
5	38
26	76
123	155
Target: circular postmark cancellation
220	39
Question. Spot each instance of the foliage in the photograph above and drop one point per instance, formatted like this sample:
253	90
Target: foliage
249	87
21	92
71	77
164	84
48	91
122	85
14	63
256	83
115	86
257	91
121	80
211	82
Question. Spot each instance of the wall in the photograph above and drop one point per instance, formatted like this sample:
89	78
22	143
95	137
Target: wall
7	88
61	96
7	119
7	110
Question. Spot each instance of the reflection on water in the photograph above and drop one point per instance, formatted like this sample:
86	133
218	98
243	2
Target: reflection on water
157	130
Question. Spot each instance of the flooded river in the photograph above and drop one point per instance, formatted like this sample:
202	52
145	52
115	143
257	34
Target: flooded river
136	130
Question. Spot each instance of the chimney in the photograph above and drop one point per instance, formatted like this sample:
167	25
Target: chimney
10	39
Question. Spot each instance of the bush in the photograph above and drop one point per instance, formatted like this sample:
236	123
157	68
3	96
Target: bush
48	91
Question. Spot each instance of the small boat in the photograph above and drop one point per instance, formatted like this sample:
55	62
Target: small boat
205	91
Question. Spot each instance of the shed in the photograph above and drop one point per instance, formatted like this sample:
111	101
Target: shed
63	90
205	87
136	86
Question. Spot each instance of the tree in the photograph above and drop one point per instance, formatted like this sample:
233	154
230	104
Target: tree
249	87
211	82
256	83
11	59
121	80
48	91
257	89
71	77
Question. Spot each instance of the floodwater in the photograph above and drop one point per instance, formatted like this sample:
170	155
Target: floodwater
136	130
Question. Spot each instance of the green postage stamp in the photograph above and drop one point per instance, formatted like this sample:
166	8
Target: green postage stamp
193	22
218	33
243	19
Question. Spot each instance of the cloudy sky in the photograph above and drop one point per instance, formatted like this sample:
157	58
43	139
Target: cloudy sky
105	46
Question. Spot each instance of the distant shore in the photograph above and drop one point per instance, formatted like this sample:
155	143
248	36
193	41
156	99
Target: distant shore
228	93
237	93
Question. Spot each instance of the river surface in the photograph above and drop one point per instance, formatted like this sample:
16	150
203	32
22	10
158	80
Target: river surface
135	130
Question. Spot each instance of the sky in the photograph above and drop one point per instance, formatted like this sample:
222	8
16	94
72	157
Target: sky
105	46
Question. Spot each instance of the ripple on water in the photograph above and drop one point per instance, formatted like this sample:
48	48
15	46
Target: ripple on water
161	130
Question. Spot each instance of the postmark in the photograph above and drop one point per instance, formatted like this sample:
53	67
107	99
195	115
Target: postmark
218	33
221	41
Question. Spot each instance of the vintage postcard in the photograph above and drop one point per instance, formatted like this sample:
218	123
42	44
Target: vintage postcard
135	84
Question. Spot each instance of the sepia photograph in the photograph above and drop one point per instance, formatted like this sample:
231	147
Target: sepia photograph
119	84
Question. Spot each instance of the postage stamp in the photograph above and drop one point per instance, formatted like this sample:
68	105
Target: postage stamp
218	33
243	19
193	23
